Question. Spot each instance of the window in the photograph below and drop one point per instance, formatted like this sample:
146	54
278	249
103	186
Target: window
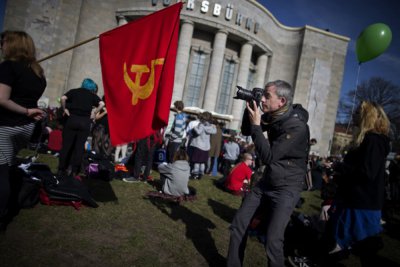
250	85
250	79
195	79
225	95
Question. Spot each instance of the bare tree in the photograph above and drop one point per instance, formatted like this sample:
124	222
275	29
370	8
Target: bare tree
376	90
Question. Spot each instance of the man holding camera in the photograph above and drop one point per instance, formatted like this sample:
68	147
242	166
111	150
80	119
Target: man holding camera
284	154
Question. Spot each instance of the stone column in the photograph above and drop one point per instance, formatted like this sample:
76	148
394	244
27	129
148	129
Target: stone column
261	69
182	59
122	20
214	73
238	105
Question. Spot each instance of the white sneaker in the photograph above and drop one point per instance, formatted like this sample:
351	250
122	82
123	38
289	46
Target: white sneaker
300	261
336	249
131	180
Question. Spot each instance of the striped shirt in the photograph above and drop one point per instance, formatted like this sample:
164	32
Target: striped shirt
178	128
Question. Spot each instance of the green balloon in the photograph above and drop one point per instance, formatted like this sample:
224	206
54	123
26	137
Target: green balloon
373	41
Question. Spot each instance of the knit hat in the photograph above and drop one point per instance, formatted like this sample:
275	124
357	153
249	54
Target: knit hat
89	84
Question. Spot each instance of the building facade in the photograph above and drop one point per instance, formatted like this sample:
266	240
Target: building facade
342	138
222	44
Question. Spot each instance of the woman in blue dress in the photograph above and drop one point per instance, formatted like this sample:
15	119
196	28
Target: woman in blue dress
356	214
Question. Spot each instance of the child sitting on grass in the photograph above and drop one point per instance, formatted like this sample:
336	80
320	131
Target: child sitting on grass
239	177
175	176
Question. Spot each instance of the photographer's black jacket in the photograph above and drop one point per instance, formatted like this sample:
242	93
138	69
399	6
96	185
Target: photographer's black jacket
285	152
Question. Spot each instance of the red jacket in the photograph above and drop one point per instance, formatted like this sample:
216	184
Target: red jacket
55	140
238	174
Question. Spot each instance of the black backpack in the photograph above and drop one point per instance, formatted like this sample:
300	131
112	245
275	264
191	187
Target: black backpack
97	166
25	185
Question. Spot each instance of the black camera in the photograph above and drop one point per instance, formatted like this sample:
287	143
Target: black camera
247	95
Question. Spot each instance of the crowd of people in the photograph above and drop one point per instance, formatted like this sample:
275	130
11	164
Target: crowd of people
352	189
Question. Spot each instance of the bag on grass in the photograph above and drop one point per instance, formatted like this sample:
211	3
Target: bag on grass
50	200
121	171
98	167
65	190
160	156
62	190
102	170
26	185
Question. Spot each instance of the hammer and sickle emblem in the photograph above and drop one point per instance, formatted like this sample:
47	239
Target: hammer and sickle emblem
145	90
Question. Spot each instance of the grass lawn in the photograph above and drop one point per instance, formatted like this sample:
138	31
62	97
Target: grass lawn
127	229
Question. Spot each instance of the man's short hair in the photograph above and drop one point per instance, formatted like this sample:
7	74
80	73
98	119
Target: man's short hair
246	156
179	105
283	89
313	141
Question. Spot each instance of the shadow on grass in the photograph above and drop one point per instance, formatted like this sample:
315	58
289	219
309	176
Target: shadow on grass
225	212
156	184
382	261
392	229
100	190
219	183
197	230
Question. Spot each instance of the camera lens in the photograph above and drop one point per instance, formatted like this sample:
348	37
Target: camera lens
244	94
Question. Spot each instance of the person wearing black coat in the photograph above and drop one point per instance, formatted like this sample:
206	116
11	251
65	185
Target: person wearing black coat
355	220
284	154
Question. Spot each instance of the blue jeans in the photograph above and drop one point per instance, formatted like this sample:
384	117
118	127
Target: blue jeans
279	205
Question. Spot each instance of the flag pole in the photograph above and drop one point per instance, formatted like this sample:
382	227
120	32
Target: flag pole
68	48
76	45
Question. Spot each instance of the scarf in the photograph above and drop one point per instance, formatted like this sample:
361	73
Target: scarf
272	116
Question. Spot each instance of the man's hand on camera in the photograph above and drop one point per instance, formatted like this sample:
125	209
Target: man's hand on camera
254	114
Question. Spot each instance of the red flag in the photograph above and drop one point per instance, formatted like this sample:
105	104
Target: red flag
138	67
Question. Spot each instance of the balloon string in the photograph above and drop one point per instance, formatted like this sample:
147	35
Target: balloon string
354	99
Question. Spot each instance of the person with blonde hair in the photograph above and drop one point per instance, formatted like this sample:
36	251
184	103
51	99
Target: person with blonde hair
22	83
356	220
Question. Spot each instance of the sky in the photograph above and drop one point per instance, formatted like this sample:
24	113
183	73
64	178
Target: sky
2	10
348	18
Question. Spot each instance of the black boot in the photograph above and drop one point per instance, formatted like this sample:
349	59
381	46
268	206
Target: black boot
5	191
367	250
